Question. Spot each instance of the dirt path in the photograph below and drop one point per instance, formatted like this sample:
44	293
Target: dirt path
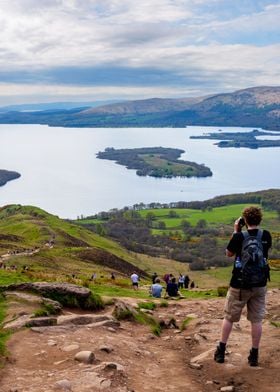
44	362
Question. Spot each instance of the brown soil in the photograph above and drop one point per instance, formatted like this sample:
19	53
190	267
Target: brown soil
148	363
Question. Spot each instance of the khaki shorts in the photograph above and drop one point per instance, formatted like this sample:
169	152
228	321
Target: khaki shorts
254	299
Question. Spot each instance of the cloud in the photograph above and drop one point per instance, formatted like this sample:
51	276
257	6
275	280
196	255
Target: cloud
211	45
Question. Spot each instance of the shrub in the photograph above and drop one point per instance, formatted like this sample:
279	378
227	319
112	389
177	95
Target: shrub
222	291
185	322
147	305
164	304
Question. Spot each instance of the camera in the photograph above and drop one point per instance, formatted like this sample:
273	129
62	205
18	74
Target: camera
241	222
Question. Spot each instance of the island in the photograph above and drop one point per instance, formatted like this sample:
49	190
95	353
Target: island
241	139
155	162
6	175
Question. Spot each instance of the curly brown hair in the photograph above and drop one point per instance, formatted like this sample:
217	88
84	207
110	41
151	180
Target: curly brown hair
252	215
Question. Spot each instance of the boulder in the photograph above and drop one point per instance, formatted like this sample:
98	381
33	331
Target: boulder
87	357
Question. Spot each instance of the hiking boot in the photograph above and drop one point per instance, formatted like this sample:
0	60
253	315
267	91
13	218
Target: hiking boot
219	355
253	358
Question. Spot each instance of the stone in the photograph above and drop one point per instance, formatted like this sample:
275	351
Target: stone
85	357
82	319
229	388
202	356
71	347
112	366
41	322
196	366
64	385
52	343
106	349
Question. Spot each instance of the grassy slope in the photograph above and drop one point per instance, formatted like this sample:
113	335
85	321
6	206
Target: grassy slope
34	227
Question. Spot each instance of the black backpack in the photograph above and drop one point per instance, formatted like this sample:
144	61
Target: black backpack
253	264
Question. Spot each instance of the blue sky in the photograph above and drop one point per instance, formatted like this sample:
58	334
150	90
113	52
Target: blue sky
77	50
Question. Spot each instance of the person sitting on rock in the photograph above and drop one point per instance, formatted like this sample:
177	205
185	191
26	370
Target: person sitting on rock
172	289
156	289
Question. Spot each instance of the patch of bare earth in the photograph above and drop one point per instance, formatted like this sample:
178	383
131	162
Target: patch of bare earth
130	358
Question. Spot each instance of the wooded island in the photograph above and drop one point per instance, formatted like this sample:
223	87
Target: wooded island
156	162
6	175
241	139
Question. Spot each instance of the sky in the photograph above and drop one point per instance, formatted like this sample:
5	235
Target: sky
87	50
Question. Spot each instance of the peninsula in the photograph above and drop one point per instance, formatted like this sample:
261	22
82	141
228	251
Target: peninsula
242	139
6	175
156	162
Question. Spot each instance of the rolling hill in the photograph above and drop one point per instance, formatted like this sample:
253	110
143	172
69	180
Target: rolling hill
54	247
252	107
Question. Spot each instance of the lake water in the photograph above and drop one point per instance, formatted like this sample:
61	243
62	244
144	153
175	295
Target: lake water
61	174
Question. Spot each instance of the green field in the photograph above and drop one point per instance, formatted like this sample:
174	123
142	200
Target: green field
214	217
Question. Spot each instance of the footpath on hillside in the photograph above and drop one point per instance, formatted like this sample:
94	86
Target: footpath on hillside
83	353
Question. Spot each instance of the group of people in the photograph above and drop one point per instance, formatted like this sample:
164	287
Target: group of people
172	286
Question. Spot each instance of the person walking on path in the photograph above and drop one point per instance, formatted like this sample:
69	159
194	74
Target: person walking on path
248	283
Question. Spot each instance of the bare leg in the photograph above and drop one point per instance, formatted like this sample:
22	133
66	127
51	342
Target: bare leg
256	332
226	330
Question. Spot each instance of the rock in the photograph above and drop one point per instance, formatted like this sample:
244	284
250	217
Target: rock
41	322
227	389
112	366
64	385
110	329
82	319
65	291
113	324
18	323
202	356
52	343
71	347
85	357
105	384
123	311
196	366
106	349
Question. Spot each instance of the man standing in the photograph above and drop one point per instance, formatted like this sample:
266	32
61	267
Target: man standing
248	282
134	280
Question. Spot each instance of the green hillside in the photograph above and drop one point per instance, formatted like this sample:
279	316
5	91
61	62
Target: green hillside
53	249
57	248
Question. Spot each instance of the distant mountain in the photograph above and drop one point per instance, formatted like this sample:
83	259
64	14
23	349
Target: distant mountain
153	105
53	106
257	107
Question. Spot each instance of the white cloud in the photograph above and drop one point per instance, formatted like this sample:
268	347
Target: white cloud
179	36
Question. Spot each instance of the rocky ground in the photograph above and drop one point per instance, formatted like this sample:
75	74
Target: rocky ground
95	353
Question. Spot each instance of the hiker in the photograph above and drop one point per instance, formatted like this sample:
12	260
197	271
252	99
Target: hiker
181	281
154	277
156	289
192	285
135	281
248	282
186	281
172	289
166	278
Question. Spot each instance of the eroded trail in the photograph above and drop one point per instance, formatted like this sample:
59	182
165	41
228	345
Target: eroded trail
130	358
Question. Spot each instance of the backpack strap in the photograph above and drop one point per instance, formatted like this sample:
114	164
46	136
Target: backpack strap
260	234
245	234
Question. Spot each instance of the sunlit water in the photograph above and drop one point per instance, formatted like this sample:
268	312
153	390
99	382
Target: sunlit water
61	174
